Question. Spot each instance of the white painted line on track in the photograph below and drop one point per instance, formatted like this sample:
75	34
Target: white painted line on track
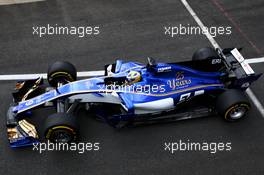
255	100
33	76
216	45
10	2
255	60
91	73
101	72
85	74
200	23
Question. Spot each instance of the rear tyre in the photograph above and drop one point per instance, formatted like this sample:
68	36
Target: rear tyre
204	54
61	72
232	105
61	128
207	59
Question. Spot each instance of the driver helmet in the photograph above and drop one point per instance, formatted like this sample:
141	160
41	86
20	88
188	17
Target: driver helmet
133	77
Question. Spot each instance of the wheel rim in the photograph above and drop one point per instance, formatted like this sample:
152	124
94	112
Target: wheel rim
238	112
61	136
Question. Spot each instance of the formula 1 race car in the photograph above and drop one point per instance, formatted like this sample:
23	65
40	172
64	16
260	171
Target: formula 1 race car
212	83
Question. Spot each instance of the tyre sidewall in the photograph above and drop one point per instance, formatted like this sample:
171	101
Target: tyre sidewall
229	100
61	71
61	121
237	105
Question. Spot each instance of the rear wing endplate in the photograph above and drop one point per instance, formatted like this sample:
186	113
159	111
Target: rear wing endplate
239	57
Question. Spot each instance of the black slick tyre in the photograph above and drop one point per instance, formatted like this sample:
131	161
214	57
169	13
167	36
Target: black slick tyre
61	128
61	72
232	105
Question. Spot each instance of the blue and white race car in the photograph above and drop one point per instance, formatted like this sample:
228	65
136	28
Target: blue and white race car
212	83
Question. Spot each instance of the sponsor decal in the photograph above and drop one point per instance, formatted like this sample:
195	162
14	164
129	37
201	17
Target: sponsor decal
39	99
179	76
89	84
179	81
30	102
164	69
216	61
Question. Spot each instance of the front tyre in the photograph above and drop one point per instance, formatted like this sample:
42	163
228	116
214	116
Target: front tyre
61	128
61	72
232	105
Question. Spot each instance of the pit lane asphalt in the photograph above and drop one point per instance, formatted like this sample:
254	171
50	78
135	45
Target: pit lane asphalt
130	30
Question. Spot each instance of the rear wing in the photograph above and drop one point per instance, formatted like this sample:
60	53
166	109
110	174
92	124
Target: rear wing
237	67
